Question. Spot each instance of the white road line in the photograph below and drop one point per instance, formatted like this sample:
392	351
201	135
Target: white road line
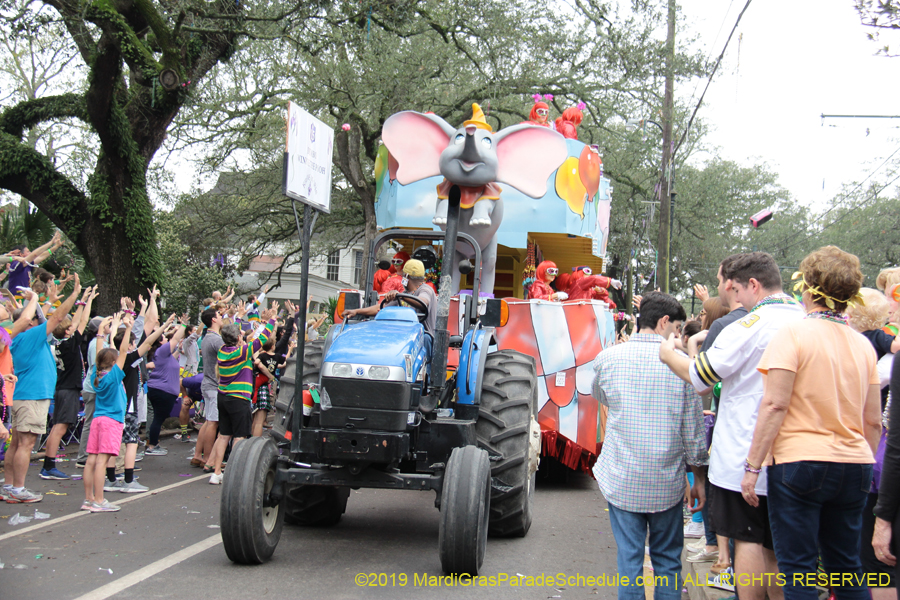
123	583
82	513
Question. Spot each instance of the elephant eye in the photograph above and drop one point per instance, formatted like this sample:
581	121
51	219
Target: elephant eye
459	138
486	142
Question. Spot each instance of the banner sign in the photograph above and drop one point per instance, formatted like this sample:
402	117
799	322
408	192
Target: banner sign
307	159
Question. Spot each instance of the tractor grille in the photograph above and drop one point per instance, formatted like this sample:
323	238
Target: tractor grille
369	405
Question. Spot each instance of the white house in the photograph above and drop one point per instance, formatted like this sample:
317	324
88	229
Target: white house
328	274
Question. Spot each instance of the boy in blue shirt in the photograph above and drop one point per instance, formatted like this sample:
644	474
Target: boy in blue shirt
35	367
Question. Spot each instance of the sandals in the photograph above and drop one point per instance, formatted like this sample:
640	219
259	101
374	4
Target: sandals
718	567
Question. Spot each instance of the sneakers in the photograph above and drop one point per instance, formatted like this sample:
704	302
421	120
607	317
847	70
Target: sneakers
53	473
138	457
704	556
216	479
185	439
26	496
696	546
104	506
132	488
86	505
694	530
155	451
723	581
79	465
113	486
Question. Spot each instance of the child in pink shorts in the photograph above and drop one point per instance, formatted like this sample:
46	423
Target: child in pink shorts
109	415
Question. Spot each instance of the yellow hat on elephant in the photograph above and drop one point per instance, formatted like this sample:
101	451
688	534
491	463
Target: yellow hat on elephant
478	119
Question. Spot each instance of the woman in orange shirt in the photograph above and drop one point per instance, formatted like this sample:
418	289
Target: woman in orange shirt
818	429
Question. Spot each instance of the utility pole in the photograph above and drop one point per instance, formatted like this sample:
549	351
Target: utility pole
663	243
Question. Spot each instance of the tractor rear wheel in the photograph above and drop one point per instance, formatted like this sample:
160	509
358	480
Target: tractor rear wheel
315	505
507	428
312	365
250	527
465	501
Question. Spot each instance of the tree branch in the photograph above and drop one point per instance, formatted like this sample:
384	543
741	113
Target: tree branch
25	115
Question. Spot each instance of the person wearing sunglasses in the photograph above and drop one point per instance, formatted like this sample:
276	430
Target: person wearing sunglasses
585	285
539	115
392	270
544	275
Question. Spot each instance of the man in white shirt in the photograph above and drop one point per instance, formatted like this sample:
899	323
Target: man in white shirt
732	360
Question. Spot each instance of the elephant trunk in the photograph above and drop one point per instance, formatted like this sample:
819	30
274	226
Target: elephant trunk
470	153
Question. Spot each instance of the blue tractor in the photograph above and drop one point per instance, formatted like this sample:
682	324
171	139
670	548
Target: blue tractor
391	416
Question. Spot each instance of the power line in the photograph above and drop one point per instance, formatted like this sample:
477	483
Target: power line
711	75
841	217
835	203
709	54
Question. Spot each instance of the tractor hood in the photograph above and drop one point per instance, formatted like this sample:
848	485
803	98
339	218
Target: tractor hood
381	342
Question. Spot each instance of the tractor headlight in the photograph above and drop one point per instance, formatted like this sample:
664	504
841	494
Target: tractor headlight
379	372
341	370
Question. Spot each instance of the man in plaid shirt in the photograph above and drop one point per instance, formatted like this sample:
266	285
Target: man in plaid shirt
655	425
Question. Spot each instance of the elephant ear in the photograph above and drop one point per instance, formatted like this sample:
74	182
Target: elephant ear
416	141
527	155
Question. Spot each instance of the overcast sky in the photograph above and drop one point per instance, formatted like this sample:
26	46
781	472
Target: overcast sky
793	62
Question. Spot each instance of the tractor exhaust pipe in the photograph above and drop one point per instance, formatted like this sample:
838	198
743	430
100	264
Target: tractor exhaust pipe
441	335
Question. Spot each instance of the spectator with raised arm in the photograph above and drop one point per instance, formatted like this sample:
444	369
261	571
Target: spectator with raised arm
20	271
235	370
36	369
69	377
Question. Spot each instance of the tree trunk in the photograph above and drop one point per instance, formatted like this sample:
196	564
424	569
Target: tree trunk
348	159
108	253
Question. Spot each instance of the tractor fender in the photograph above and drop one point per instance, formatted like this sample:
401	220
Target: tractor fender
472	357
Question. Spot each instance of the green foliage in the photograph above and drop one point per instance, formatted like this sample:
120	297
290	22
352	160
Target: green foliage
860	222
191	274
331	304
103	205
359	64
23	224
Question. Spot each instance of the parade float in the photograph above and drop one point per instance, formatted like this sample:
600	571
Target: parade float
545	199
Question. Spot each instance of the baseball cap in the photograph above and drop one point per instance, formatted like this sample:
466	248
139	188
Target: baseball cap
414	268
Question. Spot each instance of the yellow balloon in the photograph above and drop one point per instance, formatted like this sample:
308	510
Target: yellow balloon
569	186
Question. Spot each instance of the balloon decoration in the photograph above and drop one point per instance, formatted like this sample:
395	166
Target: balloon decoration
578	179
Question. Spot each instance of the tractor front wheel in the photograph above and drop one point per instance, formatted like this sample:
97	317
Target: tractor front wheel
465	503
251	526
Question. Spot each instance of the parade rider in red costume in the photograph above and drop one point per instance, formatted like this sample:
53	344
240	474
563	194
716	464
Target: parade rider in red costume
544	275
584	286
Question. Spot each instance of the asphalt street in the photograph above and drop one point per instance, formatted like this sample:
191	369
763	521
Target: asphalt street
166	544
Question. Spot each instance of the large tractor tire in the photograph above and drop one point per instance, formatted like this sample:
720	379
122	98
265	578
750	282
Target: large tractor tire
507	428
315	505
465	502
250	528
312	365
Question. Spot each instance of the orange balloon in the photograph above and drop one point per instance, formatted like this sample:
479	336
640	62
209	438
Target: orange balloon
569	186
589	169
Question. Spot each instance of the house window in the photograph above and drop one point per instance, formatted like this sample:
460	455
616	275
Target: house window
334	265
357	267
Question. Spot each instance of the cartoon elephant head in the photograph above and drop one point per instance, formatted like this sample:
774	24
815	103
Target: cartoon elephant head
425	145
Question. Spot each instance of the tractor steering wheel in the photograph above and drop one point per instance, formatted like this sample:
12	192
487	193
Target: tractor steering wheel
416	304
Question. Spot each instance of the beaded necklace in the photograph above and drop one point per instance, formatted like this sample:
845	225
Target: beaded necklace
774	299
829	315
